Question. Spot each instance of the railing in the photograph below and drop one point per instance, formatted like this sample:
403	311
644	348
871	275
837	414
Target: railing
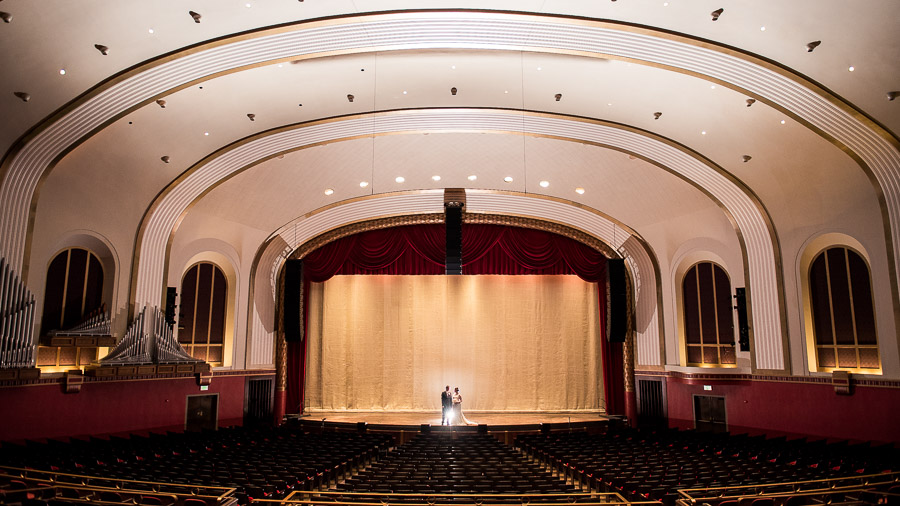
829	490
333	498
92	489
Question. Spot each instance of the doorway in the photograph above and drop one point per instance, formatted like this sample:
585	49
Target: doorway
709	413
202	413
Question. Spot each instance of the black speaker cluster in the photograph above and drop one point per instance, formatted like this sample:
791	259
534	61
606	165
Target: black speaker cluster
293	277
617	319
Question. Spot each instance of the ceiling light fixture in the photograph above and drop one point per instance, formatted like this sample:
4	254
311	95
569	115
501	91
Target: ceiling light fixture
195	15
703	132
762	28
746	158
252	117
165	159
891	95
453	67
161	103
453	91
750	101
716	13
103	49
851	68
25	97
508	179
363	184
404	92
812	45
539	68
558	97
350	98
400	179
544	183
579	190
206	133
435	178
656	115
150	30
328	191
6	17
62	72
473	177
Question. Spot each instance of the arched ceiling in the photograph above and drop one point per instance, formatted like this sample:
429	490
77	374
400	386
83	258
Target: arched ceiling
801	177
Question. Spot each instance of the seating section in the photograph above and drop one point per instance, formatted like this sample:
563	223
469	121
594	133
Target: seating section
440	464
258	462
654	464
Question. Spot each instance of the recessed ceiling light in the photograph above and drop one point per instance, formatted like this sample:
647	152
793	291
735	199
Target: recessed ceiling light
453	67
544	184
703	132
506	92
404	92
665	4
782	122
280	65
328	191
852	68
473	177
539	68
712	86
400	179
150	30
435	178
363	184
62	72
609	104
579	191
762	28
508	179
247	5
205	133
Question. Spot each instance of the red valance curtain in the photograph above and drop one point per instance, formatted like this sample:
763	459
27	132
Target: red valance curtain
487	249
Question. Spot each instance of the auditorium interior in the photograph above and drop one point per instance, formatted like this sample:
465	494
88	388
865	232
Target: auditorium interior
245	245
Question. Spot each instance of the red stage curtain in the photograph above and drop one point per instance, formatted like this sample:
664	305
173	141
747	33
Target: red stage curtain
487	249
415	249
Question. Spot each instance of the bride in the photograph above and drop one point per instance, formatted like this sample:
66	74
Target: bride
458	417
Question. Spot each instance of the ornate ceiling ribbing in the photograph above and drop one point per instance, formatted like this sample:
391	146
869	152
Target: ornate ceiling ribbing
27	163
752	223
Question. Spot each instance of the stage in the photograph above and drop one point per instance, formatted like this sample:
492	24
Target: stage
418	421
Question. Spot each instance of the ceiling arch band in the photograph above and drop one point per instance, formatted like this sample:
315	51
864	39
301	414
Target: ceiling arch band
751	223
27	163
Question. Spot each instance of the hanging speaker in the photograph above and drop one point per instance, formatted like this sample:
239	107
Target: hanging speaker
740	304
171	297
617	318
293	279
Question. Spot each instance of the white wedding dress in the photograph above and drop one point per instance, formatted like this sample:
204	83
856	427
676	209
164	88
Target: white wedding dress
458	417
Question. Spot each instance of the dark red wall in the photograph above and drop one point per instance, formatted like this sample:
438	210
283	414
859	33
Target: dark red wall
44	411
785	408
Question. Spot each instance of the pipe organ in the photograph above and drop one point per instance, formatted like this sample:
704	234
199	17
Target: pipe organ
149	340
17	345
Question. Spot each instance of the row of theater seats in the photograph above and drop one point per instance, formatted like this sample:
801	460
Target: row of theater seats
441	464
655	464
258	462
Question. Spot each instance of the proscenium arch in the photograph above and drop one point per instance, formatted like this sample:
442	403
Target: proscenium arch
596	229
752	225
871	145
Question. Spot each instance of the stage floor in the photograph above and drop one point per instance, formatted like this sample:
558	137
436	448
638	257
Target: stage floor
434	418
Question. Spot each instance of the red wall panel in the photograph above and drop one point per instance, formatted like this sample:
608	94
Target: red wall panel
44	411
783	408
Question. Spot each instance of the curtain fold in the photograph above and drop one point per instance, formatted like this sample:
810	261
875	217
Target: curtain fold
487	249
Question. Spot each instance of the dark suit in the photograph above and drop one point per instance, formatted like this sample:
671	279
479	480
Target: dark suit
446	406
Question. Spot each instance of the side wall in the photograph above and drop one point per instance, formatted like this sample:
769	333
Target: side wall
779	406
44	411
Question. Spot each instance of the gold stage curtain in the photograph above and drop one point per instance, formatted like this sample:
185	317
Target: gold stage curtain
510	343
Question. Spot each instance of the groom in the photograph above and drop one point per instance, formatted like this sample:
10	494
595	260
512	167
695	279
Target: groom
446	404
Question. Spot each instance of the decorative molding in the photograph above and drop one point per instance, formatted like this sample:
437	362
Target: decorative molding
747	378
